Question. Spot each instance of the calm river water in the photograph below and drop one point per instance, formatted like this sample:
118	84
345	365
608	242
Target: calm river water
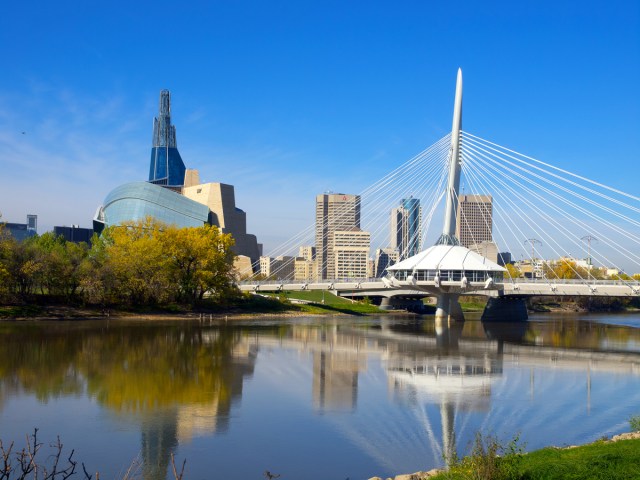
310	398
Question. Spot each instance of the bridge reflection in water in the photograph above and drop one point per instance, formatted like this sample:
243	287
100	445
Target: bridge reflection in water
182	381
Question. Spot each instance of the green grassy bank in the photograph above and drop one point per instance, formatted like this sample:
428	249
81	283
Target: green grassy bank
600	460
325	302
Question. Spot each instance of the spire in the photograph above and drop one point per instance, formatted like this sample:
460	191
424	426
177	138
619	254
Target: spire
164	134
167	167
449	229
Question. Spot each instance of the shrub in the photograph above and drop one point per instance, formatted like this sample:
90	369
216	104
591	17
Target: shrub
634	422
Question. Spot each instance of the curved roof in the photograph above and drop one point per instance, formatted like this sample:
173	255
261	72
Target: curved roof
448	257
137	200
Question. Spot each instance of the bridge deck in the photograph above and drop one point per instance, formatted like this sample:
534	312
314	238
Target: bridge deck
517	287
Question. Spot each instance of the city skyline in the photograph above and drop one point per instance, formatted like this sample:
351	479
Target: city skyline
357	89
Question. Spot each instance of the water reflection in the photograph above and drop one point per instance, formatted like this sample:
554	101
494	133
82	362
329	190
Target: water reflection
180	381
176	382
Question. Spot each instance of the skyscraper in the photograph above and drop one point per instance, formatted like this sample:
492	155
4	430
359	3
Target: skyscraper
351	253
475	219
406	235
166	167
334	212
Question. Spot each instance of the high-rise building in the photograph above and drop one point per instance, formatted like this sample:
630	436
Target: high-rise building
334	212
486	249
278	268
308	252
385	257
166	167
475	219
406	235
305	266
504	258
305	270
351	253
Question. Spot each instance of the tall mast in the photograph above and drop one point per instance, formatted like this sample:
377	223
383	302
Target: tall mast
449	229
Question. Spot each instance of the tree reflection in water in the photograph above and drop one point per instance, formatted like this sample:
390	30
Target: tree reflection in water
177	381
180	380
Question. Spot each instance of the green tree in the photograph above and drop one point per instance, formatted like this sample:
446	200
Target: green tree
135	260
512	271
200	261
565	269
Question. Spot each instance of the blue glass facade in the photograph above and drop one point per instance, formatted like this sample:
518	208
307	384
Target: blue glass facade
166	166
138	200
412	207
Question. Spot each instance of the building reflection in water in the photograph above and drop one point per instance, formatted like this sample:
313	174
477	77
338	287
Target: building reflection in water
336	363
182	383
446	376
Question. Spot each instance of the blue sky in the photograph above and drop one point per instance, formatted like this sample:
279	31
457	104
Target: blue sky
285	100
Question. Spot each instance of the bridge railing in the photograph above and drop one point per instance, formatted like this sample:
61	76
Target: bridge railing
544	281
571	281
333	280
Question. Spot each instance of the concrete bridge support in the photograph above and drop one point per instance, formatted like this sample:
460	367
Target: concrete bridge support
448	307
400	303
505	309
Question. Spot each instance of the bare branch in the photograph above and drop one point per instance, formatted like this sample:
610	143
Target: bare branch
177	476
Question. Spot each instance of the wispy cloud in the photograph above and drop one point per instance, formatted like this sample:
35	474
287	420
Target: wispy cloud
61	153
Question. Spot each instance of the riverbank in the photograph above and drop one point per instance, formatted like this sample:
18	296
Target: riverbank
285	304
247	308
617	458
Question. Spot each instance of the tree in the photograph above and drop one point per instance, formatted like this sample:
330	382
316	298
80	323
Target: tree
565	269
512	271
134	260
200	261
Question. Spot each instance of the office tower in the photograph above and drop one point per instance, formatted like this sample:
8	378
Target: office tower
307	252
385	257
32	224
278	268
504	258
166	168
475	214
305	266
406	235
334	212
305	270
486	249
351	253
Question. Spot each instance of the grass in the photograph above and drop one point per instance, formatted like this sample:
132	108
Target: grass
597	461
325	303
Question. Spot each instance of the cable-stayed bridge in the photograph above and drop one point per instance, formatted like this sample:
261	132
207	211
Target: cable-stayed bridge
576	236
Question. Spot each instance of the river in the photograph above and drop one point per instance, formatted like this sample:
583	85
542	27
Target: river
313	398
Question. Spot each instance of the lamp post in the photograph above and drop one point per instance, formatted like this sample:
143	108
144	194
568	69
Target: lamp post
589	239
533	242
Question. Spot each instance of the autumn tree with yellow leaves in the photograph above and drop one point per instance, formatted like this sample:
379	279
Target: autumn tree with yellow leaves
147	262
135	263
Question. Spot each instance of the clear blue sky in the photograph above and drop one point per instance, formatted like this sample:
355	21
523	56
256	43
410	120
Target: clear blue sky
287	99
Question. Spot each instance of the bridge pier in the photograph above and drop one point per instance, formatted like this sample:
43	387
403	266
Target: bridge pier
505	309
448	307
399	303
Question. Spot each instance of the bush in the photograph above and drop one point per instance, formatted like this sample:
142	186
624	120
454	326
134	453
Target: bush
634	422
489	460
